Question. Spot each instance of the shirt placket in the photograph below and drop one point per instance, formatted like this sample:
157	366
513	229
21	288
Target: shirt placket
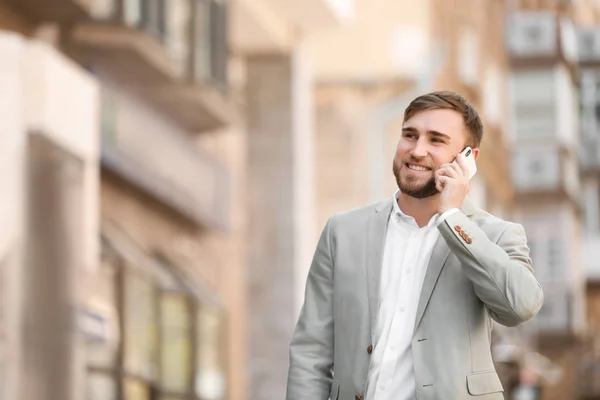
399	321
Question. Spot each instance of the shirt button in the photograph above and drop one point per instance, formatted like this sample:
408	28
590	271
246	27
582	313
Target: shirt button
408	271
402	309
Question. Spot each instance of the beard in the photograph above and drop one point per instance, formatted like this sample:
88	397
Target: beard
410	187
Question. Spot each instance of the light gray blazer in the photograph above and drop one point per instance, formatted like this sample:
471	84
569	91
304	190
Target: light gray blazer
479	270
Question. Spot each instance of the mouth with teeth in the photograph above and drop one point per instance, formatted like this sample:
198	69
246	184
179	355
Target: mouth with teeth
418	168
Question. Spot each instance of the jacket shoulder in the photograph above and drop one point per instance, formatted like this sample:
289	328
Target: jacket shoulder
358	216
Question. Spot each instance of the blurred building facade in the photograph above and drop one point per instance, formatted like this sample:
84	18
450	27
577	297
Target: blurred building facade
273	76
545	147
125	267
169	166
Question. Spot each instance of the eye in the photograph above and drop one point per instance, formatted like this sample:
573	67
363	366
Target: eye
410	135
437	140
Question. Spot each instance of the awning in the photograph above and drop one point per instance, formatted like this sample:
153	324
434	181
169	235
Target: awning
166	273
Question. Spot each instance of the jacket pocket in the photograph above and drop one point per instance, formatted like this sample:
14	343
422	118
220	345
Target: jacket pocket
334	392
485	382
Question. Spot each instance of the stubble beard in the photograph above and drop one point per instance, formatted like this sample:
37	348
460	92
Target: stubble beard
428	189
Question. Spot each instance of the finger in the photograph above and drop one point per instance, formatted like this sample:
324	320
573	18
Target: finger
438	185
448	170
441	182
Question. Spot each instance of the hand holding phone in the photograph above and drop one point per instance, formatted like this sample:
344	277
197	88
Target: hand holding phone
452	181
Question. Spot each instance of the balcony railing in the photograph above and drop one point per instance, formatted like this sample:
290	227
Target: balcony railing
173	52
55	11
192	31
590	153
163	162
590	256
550	170
588	379
537	35
532	34
556	314
588	45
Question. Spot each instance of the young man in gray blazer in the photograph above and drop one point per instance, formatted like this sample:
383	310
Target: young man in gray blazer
401	294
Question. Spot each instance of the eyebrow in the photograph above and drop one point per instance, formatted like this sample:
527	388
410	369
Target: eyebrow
430	132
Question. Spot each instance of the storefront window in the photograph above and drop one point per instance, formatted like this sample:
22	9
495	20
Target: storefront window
178	19
210	372
140	345
176	348
101	387
173	346
136	390
101	332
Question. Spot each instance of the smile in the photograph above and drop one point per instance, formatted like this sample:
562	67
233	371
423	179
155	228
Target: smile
417	167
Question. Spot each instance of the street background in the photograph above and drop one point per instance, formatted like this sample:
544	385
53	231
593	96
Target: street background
167	167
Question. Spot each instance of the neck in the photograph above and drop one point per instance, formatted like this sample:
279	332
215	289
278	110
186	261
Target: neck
420	209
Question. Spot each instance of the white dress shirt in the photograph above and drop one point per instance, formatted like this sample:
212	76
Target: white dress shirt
406	254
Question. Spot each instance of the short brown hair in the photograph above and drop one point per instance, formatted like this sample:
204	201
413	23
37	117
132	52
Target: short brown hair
449	101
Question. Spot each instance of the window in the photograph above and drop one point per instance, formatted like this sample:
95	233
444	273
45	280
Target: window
546	243
140	330
173	346
178	20
135	389
202	49
218	42
493	94
153	12
132	12
468	56
534	103
101	387
176	344
210	357
103	9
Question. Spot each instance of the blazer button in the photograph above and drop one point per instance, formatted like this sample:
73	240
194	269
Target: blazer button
457	228
370	349
469	240
357	397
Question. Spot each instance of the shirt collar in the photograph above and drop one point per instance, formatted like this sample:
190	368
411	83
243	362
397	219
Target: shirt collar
433	222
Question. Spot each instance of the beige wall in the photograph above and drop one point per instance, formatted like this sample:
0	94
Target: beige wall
62	101
12	145
353	155
385	41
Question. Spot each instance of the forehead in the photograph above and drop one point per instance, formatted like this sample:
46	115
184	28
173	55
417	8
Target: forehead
449	122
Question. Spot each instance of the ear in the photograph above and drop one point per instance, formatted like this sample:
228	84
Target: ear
475	153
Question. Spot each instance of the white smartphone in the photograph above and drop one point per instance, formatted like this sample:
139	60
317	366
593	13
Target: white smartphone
470	160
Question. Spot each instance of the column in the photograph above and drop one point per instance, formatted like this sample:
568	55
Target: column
53	362
280	205
12	157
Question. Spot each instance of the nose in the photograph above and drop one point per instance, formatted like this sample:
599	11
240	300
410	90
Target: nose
419	150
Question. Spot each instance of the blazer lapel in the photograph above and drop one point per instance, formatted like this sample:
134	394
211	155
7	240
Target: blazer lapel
377	230
438	259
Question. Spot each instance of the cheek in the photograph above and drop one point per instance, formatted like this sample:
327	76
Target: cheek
402	148
442	157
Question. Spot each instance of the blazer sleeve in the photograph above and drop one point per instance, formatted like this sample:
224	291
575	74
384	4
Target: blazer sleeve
311	349
501	272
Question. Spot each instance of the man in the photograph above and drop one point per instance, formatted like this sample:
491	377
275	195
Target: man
400	294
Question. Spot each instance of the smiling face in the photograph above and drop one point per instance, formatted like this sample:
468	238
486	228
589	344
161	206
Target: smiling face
430	138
